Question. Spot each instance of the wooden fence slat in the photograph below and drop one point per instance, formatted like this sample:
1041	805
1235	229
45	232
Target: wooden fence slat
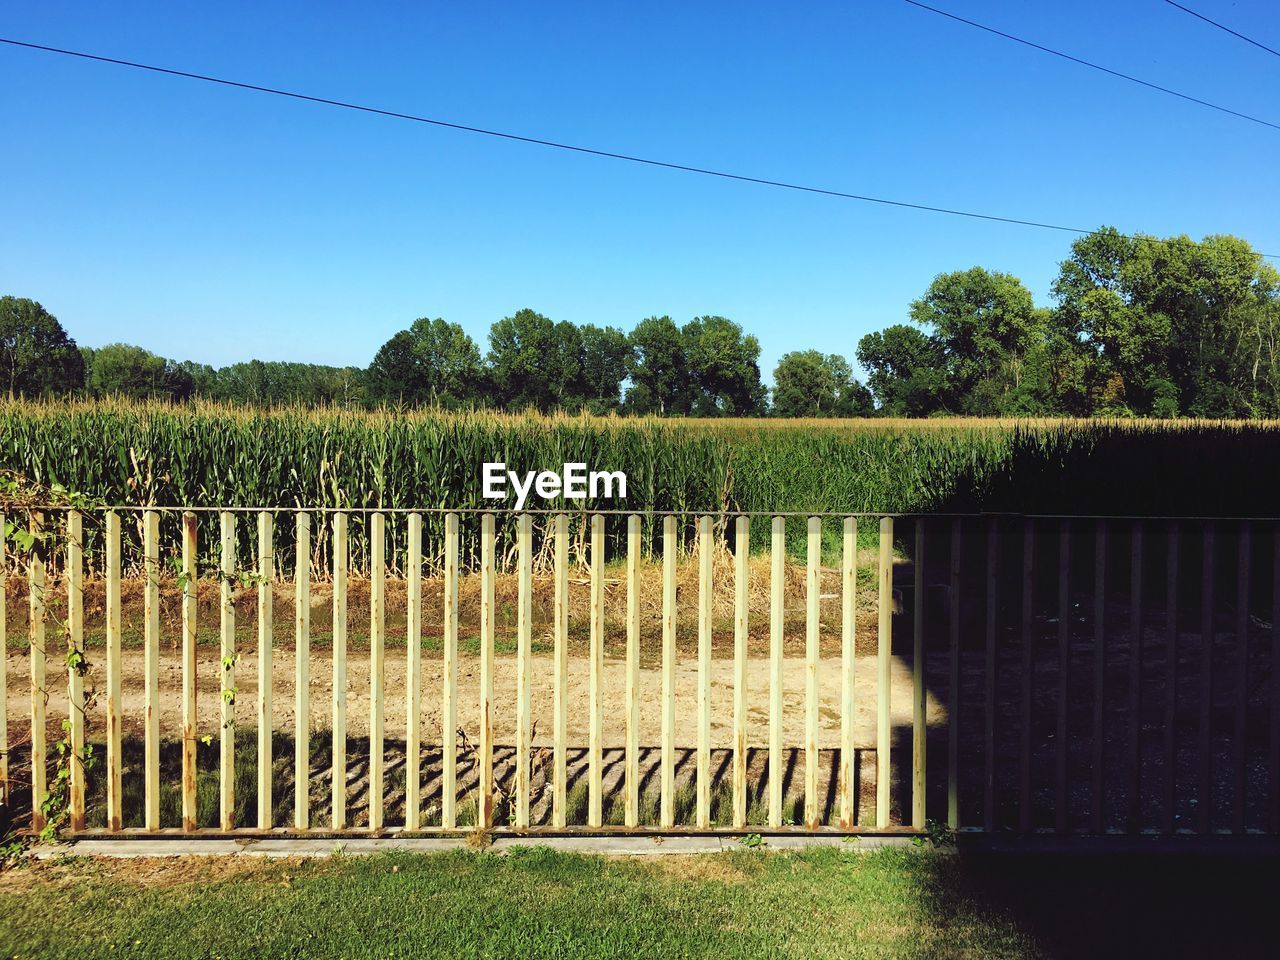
266	657
631	693
777	613
989	677
38	606
151	669
560	713
670	546
449	701
1027	679
1239	739
487	620
5	797
338	782
1097	797
741	557
227	747
595	789
705	597
1204	808
413	675
1061	810
115	717
1135	679
813	594
377	665
848	659
953	684
302	672
918	728
190	532
524	630
1169	804
595	758
1273	767
75	666
884	677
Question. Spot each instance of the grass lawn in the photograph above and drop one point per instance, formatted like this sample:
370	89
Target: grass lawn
539	903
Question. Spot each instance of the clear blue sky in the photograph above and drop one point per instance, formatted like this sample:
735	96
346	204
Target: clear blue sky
217	225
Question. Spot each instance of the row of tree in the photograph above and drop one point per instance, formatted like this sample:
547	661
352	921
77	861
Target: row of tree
1139	326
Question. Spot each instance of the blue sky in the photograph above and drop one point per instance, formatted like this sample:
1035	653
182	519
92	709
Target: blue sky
217	225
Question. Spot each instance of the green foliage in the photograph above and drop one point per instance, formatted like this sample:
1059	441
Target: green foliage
36	355
808	383
433	362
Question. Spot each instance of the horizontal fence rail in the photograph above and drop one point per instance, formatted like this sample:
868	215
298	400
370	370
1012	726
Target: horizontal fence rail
310	671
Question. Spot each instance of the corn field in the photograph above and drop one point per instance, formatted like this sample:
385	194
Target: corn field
118	453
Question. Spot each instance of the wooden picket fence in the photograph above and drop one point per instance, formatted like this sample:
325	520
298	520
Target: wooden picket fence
986	781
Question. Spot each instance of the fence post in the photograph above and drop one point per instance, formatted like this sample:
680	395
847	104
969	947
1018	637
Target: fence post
989	717
39	697
777	623
302	672
884	656
524	629
1171	678
227	785
559	795
338	761
449	708
1028	674
631	695
114	710
1239	739
151	666
1135	680
705	596
1061	812
1204	808
266	641
413	678
377	665
594	760
1097	797
669	547
190	530
75	666
953	687
741	556
813	627
918	729
848	657
485	759
5	798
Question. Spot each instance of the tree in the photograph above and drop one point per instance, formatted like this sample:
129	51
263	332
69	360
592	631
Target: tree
535	363
807	383
725	368
1173	327
119	369
433	362
658	368
906	371
606	355
36	355
986	325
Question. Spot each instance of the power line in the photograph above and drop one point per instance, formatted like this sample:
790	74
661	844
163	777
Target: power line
575	148
1223	26
1094	66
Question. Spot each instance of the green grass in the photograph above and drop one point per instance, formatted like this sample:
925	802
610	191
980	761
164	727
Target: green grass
534	902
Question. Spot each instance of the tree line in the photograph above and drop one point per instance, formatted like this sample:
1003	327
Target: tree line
1139	326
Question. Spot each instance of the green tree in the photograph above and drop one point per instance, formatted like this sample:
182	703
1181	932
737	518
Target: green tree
724	365
433	362
36	355
659	369
606	356
1173	327
119	369
906	371
808	383
986	325
535	363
